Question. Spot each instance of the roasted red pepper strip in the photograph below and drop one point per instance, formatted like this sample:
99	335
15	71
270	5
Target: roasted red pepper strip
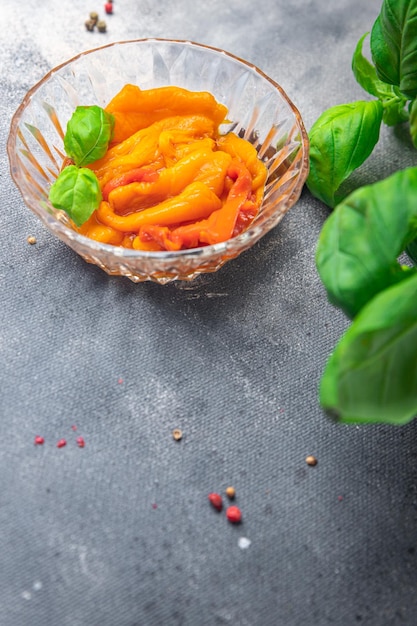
138	175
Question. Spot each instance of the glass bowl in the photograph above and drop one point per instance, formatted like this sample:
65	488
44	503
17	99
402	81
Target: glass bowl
258	108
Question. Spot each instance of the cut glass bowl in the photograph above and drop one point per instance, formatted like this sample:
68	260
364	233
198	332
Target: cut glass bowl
258	110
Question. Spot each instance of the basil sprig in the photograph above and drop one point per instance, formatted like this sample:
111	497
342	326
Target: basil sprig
340	141
371	375
76	190
391	78
362	239
394	45
88	134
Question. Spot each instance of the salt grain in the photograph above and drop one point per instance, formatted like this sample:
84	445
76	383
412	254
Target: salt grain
243	543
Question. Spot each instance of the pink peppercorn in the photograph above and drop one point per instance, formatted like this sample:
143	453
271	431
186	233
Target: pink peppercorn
216	500
80	442
39	440
61	443
234	514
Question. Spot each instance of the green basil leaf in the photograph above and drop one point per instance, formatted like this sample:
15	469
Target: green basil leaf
341	139
88	134
361	240
392	100
413	122
365	72
372	374
77	192
394	44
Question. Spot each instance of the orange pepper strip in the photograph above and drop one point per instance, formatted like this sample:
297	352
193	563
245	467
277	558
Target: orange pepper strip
173	145
145	155
221	223
244	151
181	150
213	173
171	181
219	226
148	246
142	174
127	241
99	232
142	148
134	108
193	203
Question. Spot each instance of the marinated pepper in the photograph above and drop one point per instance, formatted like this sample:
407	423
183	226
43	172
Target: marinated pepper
170	180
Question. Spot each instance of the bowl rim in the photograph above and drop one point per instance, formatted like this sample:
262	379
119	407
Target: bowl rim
129	253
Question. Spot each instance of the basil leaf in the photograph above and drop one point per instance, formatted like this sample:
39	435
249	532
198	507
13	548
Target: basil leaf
392	100
88	134
359	243
77	192
365	72
413	122
372	374
394	44
340	141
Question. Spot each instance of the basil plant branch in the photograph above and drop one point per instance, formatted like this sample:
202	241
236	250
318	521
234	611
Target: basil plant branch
372	374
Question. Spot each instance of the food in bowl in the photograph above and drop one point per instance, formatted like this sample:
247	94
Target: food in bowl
152	171
259	109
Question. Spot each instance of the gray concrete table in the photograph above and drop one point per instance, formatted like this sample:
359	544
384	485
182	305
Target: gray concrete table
120	533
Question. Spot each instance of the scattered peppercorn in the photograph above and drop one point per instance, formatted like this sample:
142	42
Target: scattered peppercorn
311	460
89	24
31	239
39	440
216	500
234	514
61	443
101	26
230	492
108	7
177	434
94	17
80	442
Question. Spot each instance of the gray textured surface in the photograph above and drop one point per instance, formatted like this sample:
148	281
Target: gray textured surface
233	359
